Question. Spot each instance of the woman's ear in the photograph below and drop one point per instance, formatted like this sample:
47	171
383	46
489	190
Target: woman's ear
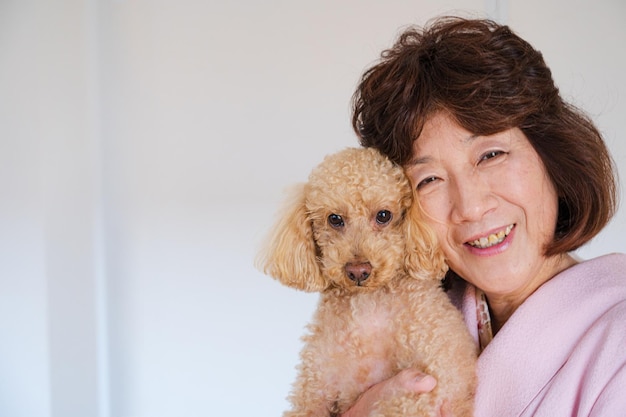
424	257
290	253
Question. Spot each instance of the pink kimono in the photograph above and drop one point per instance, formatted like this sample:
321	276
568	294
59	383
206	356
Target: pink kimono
563	352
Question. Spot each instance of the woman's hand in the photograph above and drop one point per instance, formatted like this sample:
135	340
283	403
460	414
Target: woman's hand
407	380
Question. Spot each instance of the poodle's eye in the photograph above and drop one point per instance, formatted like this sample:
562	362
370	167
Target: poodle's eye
383	217
335	220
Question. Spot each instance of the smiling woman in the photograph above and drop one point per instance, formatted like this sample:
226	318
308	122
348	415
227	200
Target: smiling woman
481	197
512	179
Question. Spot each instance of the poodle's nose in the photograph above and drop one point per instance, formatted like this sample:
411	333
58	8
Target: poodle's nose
358	271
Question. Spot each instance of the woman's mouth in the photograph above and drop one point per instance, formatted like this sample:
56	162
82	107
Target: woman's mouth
493	239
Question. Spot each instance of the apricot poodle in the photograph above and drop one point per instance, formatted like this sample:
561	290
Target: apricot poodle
353	234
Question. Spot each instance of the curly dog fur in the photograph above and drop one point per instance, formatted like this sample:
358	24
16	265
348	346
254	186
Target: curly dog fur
353	234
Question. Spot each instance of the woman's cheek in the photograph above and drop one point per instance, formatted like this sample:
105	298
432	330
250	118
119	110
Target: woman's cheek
435	206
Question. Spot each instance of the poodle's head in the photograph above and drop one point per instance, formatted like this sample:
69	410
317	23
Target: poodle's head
353	225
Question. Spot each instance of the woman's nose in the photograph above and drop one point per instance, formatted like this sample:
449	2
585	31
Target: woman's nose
471	198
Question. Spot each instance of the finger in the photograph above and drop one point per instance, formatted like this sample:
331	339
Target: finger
445	409
416	381
408	380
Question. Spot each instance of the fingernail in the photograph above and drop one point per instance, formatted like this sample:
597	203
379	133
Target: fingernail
425	382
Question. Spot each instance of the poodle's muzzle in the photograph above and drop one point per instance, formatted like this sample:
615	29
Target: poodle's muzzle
358	272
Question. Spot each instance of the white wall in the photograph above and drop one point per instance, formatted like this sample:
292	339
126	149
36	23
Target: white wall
48	353
144	149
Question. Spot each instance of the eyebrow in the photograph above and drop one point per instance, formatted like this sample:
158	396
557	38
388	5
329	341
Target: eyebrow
427	159
419	161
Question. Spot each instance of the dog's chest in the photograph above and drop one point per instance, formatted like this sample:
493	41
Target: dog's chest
358	339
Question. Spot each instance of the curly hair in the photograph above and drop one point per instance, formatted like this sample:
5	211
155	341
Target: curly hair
488	80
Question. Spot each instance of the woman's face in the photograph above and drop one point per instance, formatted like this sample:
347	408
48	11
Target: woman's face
491	203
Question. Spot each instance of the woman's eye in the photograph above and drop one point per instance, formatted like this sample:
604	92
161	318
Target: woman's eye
383	217
426	181
335	221
490	155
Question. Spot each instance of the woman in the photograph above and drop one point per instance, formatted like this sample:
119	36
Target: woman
512	179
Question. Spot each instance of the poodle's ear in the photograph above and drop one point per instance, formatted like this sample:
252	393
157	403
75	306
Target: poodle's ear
424	257
290	253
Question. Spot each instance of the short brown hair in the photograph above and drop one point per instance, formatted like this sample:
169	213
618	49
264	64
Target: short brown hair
489	80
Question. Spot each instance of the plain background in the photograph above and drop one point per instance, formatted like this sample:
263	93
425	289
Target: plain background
144	150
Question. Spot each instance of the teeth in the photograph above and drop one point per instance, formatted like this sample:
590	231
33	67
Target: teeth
492	239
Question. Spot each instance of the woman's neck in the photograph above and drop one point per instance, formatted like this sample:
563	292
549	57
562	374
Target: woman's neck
502	306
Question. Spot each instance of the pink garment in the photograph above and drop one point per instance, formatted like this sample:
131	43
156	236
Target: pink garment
563	352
